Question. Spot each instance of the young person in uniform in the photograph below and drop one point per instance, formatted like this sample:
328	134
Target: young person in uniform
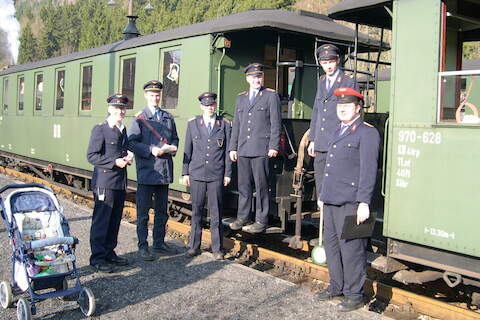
153	139
107	151
324	117
255	139
207	169
348	182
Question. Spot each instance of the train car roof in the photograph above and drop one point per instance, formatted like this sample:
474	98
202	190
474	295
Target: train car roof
367	12
291	21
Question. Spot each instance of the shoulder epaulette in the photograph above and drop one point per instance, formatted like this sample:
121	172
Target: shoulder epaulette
191	119
269	89
243	92
367	124
227	121
138	113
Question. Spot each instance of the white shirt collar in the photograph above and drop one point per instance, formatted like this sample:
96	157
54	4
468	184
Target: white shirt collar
153	110
209	120
112	124
334	76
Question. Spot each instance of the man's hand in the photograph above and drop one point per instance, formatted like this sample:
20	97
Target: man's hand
157	152
233	156
320	205
363	212
121	162
311	149
272	153
129	157
186	180
226	181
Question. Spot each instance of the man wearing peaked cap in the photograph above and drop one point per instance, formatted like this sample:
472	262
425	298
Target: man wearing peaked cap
324	118
347	187
107	151
207	169
153	138
255	139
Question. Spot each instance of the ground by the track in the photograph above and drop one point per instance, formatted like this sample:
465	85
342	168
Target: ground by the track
175	287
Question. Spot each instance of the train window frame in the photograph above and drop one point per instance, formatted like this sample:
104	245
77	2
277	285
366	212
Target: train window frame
56	109
131	96
5	102
21	79
38	106
172	75
80	105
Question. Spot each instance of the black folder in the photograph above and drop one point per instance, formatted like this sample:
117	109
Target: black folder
363	230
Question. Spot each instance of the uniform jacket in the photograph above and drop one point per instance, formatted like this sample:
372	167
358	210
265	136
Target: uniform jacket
351	166
152	170
256	127
324	117
106	145
205	157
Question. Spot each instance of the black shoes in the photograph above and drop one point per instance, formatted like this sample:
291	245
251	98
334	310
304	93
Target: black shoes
145	254
237	224
326	295
218	255
349	304
256	227
193	252
164	249
118	261
103	267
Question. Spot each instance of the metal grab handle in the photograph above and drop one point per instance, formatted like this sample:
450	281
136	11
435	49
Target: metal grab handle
384	156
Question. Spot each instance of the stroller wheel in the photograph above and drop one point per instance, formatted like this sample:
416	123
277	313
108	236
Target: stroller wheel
6	296
24	312
86	301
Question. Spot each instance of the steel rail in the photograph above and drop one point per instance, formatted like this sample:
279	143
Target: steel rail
423	305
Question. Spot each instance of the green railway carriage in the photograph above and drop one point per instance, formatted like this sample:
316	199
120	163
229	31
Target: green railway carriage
49	107
431	186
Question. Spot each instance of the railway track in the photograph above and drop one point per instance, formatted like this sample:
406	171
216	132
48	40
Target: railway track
298	265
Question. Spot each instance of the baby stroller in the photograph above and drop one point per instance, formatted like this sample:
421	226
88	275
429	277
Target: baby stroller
42	250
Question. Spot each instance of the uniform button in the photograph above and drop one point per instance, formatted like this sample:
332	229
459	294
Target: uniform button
208	154
248	121
323	119
326	174
208	147
248	137
331	155
248	129
324	110
321	129
206	161
328	164
334	145
349	145
353	183
208	140
249	113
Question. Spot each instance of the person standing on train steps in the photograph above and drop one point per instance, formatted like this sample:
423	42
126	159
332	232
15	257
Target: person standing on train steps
107	151
153	138
207	169
324	116
255	139
349	179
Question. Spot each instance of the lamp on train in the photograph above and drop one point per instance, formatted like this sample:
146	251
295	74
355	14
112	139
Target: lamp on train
131	30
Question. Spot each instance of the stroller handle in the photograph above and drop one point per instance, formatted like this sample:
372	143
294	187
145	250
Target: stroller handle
24	185
37	244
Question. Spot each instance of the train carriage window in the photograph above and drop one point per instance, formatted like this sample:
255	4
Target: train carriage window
86	97
459	76
21	92
38	92
128	80
60	90
5	95
171	78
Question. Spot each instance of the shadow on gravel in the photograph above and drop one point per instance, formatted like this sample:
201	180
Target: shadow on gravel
139	282
89	217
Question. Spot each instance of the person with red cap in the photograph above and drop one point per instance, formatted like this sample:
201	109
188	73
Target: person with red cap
347	187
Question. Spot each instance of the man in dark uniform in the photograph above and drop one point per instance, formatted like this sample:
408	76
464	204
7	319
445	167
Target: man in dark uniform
324	116
107	151
153	138
255	139
207	169
349	179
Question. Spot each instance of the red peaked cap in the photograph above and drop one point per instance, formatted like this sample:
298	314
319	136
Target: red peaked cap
348	95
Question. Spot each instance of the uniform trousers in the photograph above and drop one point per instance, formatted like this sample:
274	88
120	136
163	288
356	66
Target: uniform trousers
253	170
319	167
346	259
107	214
145	194
214	191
